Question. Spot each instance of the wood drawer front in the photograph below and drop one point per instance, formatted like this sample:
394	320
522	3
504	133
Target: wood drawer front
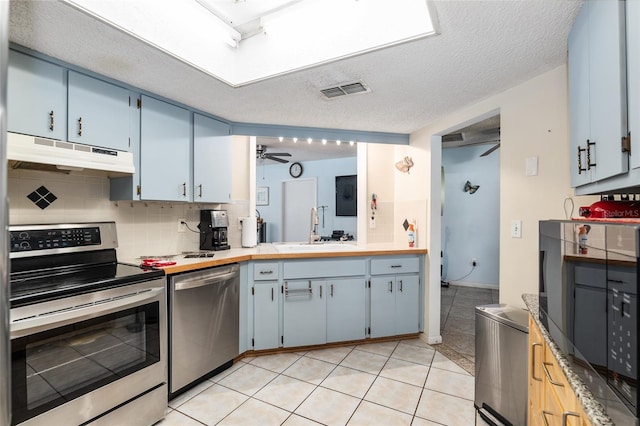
324	268
265	271
560	386
396	265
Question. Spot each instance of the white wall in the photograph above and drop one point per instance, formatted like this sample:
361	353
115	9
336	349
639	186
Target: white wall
271	176
534	122
470	228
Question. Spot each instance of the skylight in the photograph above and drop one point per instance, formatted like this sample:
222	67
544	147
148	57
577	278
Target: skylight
240	42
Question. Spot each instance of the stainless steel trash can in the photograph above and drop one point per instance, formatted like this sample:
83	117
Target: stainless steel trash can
501	364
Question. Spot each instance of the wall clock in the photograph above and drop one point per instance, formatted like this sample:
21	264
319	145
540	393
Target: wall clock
295	170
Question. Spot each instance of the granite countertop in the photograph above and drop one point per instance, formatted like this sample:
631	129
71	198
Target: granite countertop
285	251
593	408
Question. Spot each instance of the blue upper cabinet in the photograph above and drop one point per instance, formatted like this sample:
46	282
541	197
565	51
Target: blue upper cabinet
165	151
98	112
597	92
36	97
212	160
633	80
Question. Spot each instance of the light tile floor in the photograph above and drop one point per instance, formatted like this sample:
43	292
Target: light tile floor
457	322
405	382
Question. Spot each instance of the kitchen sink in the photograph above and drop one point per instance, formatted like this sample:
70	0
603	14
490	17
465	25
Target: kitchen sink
315	247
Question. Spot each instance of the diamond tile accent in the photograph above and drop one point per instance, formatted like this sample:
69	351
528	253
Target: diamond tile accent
42	197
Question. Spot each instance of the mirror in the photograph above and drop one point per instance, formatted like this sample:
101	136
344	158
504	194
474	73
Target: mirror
286	166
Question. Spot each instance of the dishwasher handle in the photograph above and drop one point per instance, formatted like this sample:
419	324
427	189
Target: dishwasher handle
205	281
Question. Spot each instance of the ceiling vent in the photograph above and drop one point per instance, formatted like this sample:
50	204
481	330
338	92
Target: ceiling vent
351	88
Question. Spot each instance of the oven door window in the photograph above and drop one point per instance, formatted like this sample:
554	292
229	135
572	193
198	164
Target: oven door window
56	366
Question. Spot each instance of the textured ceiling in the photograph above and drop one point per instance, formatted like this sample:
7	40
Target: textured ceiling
484	47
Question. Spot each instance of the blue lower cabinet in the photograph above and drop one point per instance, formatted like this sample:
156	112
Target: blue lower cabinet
346	309
304	313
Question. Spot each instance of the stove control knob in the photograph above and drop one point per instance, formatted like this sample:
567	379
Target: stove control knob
25	245
23	236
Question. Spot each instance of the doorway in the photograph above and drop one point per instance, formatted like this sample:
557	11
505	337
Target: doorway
470	226
298	198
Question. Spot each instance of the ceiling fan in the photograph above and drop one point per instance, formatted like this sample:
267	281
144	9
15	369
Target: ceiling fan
261	153
488	136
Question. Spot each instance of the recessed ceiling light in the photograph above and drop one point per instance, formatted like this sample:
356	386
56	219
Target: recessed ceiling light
280	138
295	140
338	142
309	140
324	141
351	143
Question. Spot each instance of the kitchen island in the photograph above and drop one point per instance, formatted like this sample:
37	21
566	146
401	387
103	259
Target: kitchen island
300	295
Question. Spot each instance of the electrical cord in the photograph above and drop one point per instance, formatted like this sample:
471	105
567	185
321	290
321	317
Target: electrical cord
473	267
186	225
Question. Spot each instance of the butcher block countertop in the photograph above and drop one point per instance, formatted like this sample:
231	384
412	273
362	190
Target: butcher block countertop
283	251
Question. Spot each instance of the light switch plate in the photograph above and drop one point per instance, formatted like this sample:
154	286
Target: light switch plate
531	166
516	228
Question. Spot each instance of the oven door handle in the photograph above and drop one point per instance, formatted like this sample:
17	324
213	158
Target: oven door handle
204	281
60	318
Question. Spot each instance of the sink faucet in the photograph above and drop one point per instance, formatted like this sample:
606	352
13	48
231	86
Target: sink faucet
313	234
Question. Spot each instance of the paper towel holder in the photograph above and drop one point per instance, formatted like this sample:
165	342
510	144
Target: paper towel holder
249	231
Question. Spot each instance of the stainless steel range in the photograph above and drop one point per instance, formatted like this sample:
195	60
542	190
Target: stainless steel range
88	334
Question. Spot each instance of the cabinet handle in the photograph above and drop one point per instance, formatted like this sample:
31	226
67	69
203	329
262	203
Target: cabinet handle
272	294
200	187
390	286
533	362
544	417
589	145
320	292
396	266
580	168
331	290
184	189
546	372
400	282
80	126
568	414
51	120
269	272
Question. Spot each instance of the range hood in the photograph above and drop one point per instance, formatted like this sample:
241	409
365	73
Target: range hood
35	153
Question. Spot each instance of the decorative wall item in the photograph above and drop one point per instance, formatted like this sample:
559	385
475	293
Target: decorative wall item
405	164
470	188
42	197
347	195
262	196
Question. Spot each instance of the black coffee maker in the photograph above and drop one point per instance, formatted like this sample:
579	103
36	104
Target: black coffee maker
213	230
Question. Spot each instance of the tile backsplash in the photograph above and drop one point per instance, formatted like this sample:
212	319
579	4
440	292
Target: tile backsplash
144	228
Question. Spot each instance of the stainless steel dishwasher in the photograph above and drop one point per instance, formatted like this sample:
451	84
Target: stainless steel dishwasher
501	364
203	324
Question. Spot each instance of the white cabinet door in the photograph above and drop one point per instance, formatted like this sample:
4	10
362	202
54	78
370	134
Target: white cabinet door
607	77
305	313
212	160
383	302
346	317
265	316
579	115
36	97
165	151
597	92
407	304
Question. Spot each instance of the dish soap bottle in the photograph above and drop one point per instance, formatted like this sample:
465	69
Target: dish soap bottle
411	233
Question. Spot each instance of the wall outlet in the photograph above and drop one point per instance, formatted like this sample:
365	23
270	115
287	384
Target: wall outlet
372	222
181	225
516	228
